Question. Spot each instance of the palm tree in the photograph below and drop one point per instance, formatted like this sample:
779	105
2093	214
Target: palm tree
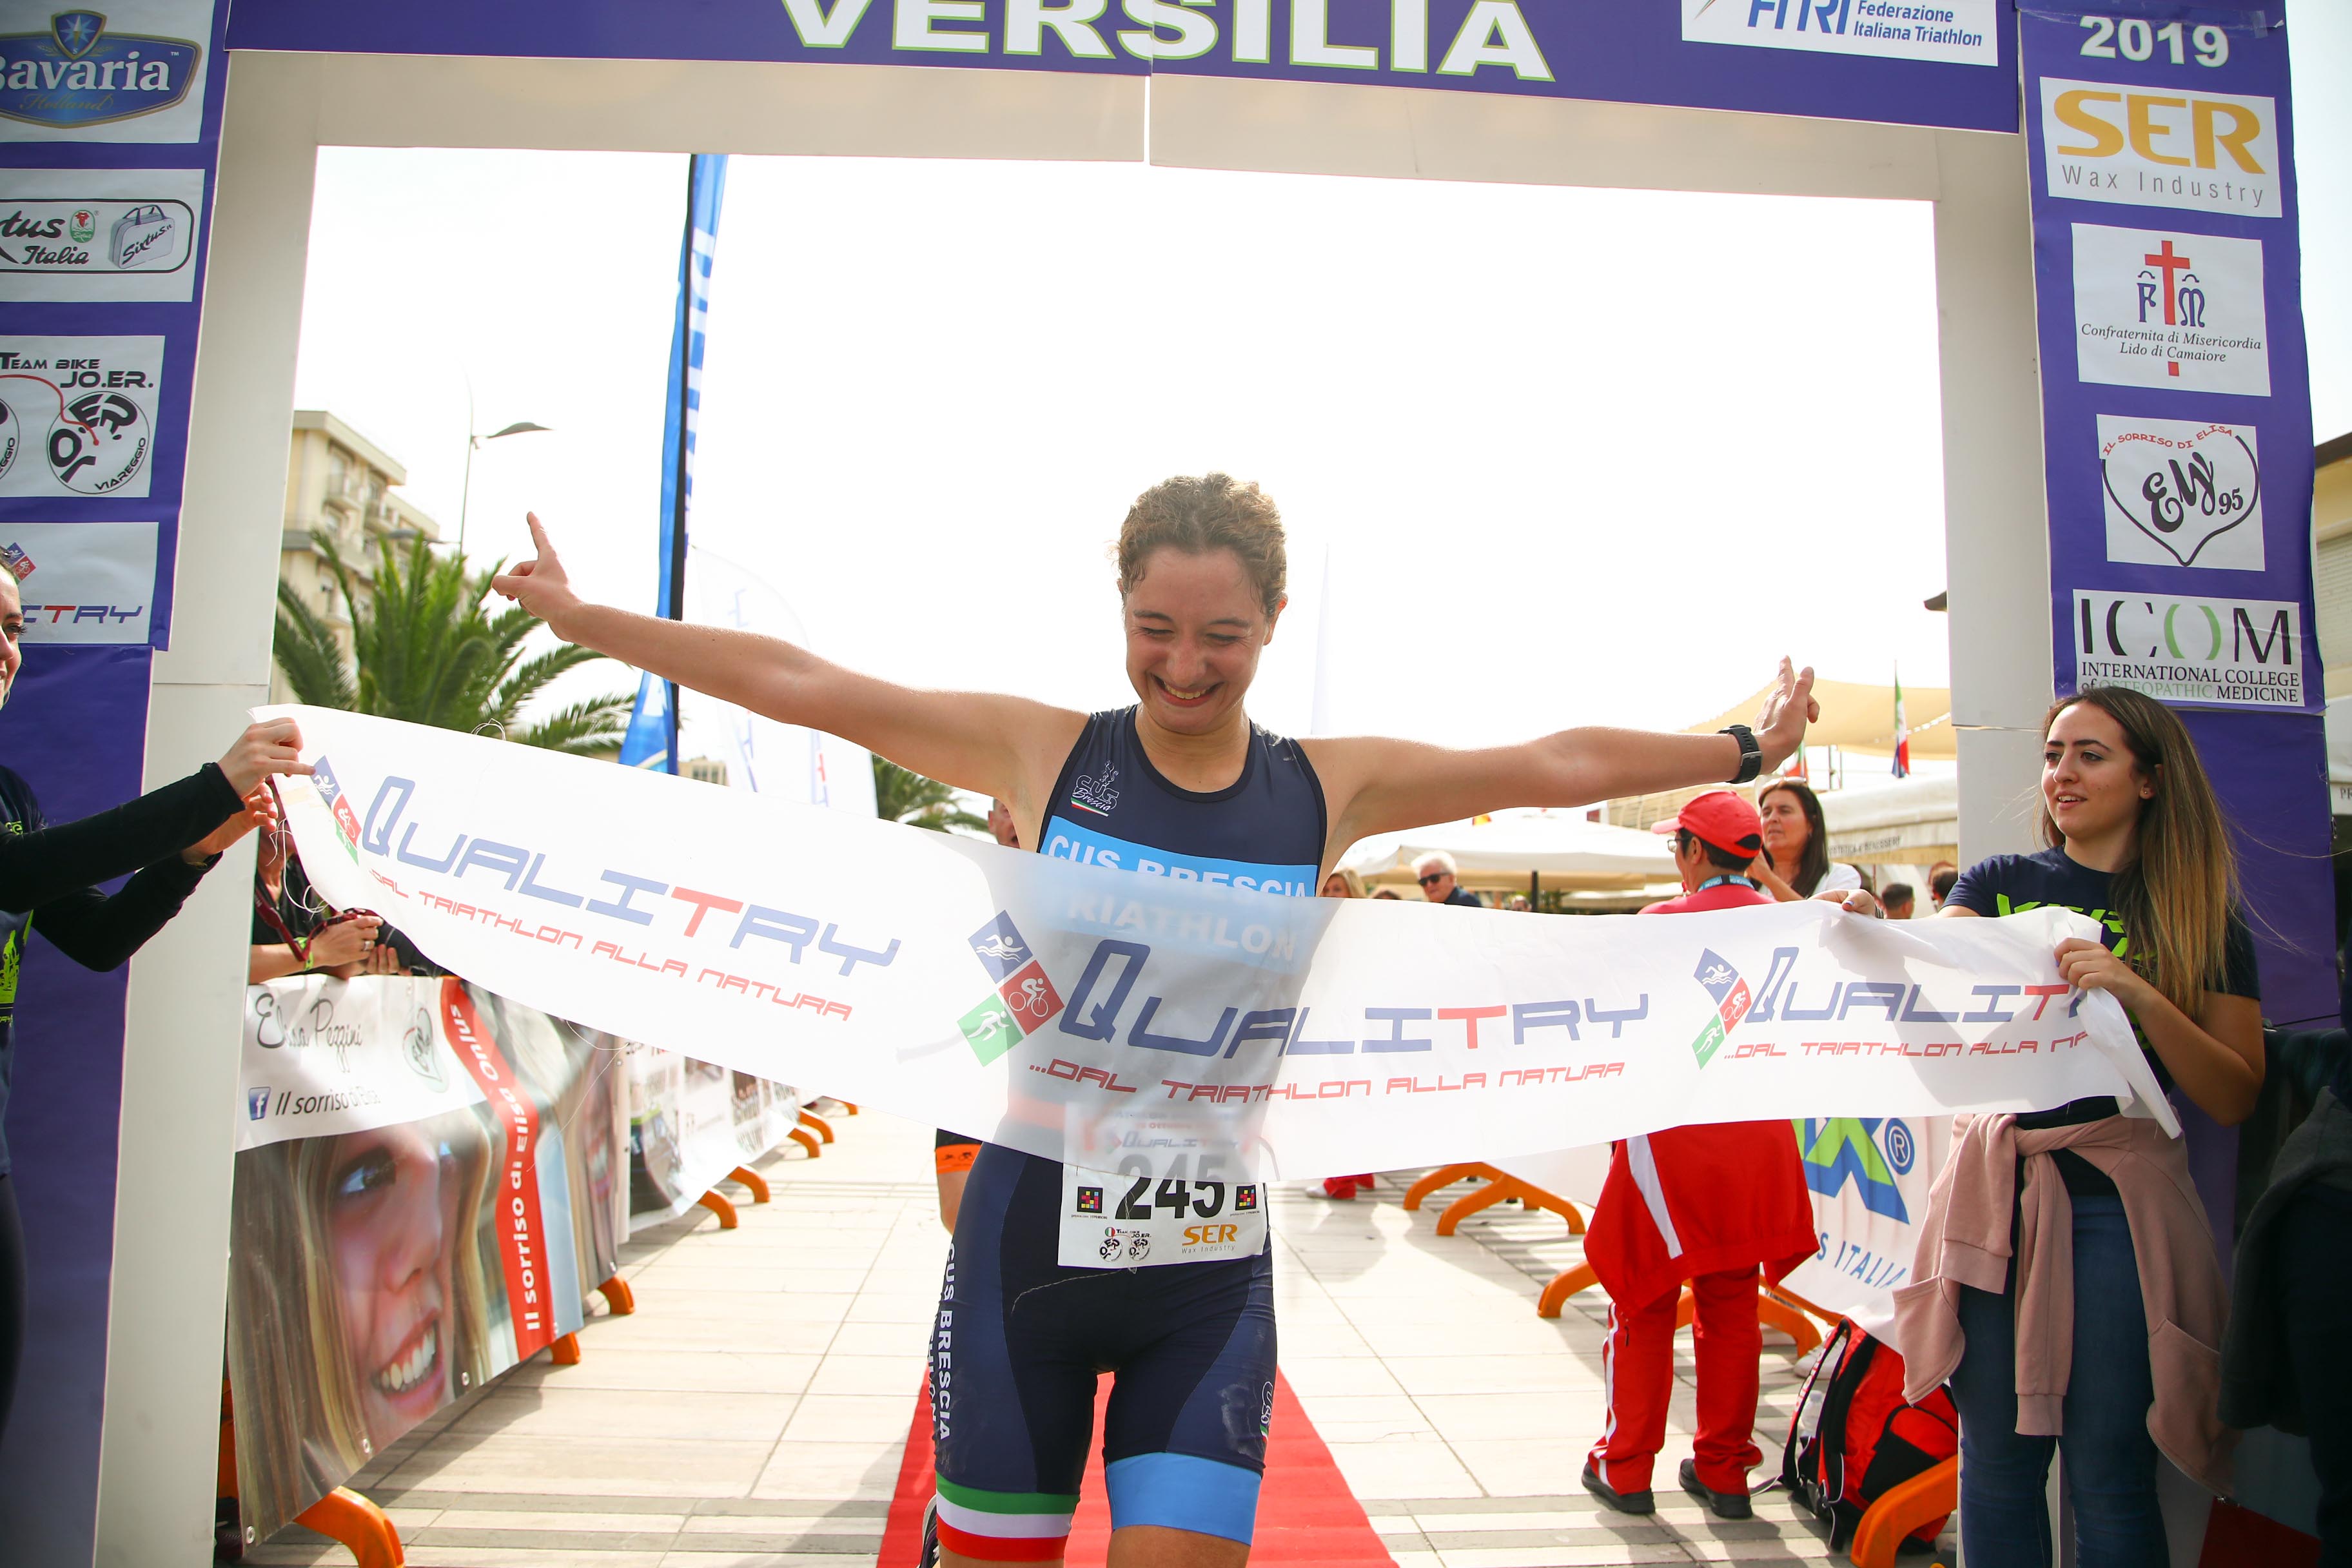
426	650
902	794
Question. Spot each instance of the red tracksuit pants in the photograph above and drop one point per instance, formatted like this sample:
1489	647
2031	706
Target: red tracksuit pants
1638	1358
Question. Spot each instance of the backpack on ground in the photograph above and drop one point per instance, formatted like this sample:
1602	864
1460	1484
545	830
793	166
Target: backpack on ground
1855	1437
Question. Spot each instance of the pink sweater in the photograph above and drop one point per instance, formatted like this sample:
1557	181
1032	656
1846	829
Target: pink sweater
1966	1240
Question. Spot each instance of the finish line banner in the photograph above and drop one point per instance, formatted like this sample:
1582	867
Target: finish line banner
1110	1017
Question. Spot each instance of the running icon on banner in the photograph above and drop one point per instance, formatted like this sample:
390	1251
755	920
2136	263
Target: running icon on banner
1024	1000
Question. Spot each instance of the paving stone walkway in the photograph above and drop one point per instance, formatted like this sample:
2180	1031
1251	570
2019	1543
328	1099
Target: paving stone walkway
750	1414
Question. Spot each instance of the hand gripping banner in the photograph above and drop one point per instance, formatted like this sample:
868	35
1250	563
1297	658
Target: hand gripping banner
1108	1017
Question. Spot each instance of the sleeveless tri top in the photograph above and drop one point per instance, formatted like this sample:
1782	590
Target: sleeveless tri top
1264	831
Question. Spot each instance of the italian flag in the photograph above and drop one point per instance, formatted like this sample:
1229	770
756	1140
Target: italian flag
1902	733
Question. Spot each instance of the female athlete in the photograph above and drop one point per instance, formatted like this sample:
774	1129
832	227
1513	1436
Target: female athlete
1184	780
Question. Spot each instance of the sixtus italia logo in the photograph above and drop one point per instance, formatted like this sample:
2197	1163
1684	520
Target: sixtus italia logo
2230	653
1024	1000
1732	1000
78	73
2182	493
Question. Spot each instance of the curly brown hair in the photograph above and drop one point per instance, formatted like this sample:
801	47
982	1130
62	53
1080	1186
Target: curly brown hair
1201	516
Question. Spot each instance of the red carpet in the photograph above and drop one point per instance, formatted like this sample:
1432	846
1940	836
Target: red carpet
1306	1517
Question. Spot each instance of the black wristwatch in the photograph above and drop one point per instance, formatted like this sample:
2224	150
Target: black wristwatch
1752	755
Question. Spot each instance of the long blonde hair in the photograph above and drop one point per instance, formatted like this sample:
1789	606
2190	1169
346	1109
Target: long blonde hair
2175	893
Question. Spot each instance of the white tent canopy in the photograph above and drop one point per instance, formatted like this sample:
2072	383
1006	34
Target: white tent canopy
1501	854
1914	823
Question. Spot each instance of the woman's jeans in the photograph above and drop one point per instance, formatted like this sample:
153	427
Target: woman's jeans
2110	1466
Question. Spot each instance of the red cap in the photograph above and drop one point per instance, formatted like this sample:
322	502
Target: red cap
1723	819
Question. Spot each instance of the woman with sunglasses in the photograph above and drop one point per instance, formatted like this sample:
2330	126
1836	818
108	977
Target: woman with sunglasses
164	841
1180	781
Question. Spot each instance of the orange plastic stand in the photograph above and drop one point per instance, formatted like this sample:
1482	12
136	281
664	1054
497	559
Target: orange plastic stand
807	1139
1498	1187
1564	1284
847	1108
564	1350
618	1296
1901	1510
751	1179
344	1515
1443	1176
816	1124
722	1208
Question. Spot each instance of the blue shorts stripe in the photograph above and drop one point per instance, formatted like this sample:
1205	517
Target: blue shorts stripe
1182	1492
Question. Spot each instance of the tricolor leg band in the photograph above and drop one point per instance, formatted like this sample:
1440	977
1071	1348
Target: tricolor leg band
1005	1527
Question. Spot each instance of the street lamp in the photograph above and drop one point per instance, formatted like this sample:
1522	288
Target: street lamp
473	442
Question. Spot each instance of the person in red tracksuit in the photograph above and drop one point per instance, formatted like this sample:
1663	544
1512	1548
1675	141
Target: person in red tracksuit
1706	1204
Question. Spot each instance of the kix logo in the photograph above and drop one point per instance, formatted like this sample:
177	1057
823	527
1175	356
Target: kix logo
2209	152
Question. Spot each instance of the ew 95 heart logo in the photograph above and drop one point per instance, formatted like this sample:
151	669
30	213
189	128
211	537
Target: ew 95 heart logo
2181	494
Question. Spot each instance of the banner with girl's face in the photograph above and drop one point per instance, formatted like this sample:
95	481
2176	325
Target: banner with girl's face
432	1179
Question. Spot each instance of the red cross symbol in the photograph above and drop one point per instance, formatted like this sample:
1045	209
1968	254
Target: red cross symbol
2168	264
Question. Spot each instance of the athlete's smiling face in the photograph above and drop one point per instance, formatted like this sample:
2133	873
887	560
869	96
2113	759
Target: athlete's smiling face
1194	628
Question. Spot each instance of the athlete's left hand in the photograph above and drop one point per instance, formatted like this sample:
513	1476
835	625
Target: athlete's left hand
1788	707
2089	966
260	811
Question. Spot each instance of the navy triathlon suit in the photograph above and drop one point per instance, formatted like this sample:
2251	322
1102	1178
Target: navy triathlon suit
1020	1338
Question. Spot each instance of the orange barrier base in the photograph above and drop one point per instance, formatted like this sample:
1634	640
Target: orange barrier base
1770	1310
1499	1187
618	1296
344	1515
1443	1176
1901	1510
1564	1284
818	1124
727	1219
751	1179
847	1108
806	1139
564	1350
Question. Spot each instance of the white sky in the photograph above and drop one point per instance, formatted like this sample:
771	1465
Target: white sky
1536	430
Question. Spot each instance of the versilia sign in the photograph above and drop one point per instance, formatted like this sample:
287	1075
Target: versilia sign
1109	1016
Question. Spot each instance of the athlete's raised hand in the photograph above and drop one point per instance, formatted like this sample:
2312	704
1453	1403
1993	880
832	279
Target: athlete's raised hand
1788	707
539	584
267	747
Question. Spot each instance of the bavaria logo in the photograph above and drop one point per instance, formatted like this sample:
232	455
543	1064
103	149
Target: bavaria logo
78	73
1731	1002
1870	1152
1025	999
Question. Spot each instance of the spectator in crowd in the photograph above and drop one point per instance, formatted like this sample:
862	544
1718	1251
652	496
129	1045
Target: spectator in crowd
1706	1204
1896	899
1796	861
952	1153
294	932
1388	893
2066	1282
1517	904
1939	883
1435	872
1343	885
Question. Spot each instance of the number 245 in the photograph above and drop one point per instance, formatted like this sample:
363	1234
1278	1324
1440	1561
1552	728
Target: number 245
2137	41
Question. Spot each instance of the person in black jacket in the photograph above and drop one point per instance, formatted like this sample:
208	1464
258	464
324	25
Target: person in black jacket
166	841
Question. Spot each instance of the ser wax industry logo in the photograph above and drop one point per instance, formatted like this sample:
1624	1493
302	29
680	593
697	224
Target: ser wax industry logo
78	73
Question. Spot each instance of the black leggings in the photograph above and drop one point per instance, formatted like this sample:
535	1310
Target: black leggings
12	1296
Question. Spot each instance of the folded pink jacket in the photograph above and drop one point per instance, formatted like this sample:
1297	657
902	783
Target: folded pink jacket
1966	1240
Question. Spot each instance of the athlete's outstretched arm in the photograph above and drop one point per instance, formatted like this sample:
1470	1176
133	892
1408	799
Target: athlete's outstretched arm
1381	786
974	740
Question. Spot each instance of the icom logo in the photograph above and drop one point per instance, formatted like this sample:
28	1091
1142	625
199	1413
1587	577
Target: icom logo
2234	653
2210	151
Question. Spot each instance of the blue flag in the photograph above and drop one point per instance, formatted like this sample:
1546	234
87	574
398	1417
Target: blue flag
652	738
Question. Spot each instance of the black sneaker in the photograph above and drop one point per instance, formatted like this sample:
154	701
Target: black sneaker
929	1555
1642	1502
1723	1505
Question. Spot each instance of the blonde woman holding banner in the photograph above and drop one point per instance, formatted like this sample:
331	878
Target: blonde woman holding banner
1181	782
2093	1322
